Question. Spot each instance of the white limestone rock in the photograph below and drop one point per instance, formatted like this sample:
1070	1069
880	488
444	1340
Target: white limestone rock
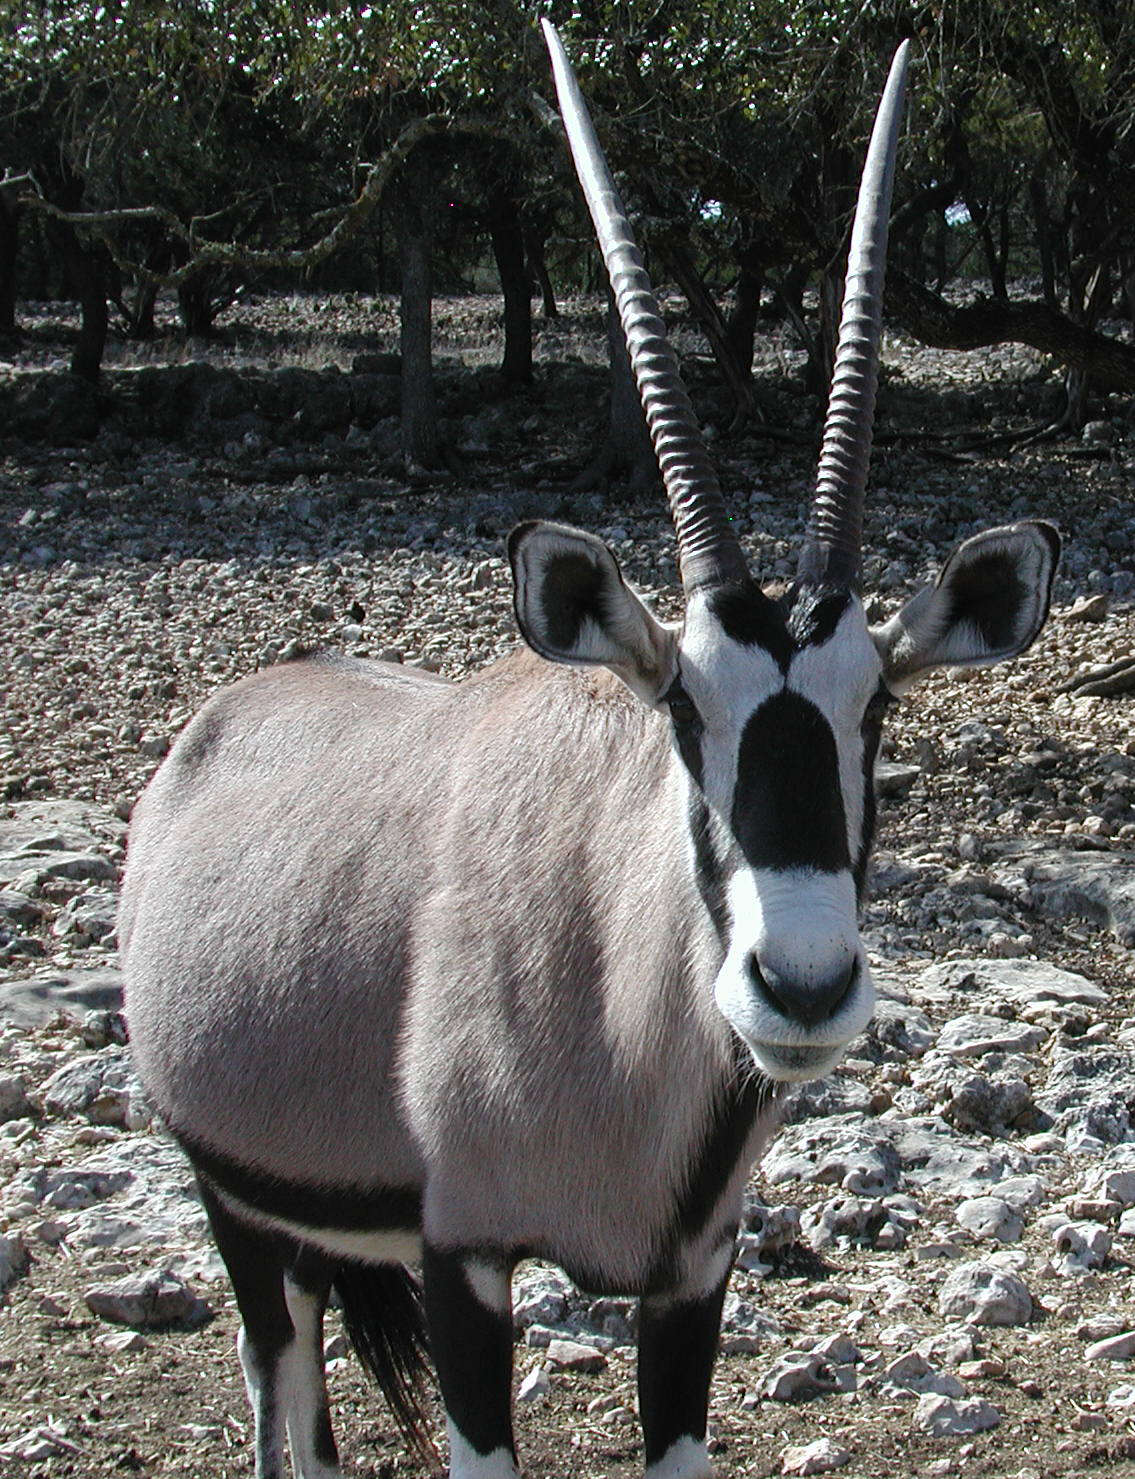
982	1294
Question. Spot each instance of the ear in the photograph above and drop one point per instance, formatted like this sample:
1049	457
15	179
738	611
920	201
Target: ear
988	603
573	606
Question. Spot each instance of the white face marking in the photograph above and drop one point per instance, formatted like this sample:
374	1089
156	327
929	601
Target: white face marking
840	676
466	1463
728	682
800	923
492	1286
804	922
686	1458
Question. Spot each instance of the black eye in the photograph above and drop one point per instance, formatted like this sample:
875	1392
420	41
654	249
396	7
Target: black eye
683	712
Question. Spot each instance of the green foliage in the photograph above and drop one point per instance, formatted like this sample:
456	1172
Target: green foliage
729	122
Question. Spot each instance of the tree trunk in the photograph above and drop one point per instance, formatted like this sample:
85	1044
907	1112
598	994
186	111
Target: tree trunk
9	247
628	449
741	328
195	304
713	325
421	443
86	266
630	439
821	353
538	267
508	250
1042	228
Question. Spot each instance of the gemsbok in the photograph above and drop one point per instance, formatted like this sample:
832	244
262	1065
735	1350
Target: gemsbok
510	968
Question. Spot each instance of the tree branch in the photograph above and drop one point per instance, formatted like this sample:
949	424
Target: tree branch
235	254
934	321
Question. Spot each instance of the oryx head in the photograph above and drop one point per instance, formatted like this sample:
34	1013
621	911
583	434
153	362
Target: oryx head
775	705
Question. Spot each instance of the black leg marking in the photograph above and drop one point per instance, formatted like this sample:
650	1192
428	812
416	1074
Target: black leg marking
471	1346
677	1346
256	1268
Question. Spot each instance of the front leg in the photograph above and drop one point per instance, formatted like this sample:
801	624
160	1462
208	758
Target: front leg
677	1346
468	1303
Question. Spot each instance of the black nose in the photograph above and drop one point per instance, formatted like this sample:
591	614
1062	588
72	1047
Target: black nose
809	1005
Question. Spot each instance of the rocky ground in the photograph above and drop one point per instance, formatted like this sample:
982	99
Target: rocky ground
935	1277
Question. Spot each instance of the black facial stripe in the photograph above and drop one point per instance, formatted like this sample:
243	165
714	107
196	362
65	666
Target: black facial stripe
815	612
788	806
686	736
708	873
345	1209
748	616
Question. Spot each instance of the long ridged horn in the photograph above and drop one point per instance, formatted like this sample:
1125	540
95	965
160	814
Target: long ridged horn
709	552
833	542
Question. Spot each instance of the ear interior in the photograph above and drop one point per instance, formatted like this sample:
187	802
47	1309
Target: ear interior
573	606
988	604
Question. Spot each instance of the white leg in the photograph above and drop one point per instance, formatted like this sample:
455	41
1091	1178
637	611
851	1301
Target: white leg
305	1389
263	1382
687	1458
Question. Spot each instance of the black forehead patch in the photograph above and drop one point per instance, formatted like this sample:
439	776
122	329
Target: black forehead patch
788	805
814	612
805	616
748	616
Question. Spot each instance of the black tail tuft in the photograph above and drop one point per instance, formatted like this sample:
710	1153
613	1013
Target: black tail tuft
384	1319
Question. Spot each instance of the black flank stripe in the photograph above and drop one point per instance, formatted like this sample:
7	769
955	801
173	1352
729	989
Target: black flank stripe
872	734
342	1208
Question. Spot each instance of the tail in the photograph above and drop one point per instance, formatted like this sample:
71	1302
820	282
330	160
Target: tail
385	1322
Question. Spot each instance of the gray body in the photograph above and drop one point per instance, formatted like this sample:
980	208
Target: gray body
358	958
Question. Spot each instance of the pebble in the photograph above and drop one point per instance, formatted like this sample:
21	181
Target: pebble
535	1386
1112	1348
798	1376
570	1355
1081	1246
982	1294
944	1417
1089	608
147	1300
13	1258
820	1457
989	1217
